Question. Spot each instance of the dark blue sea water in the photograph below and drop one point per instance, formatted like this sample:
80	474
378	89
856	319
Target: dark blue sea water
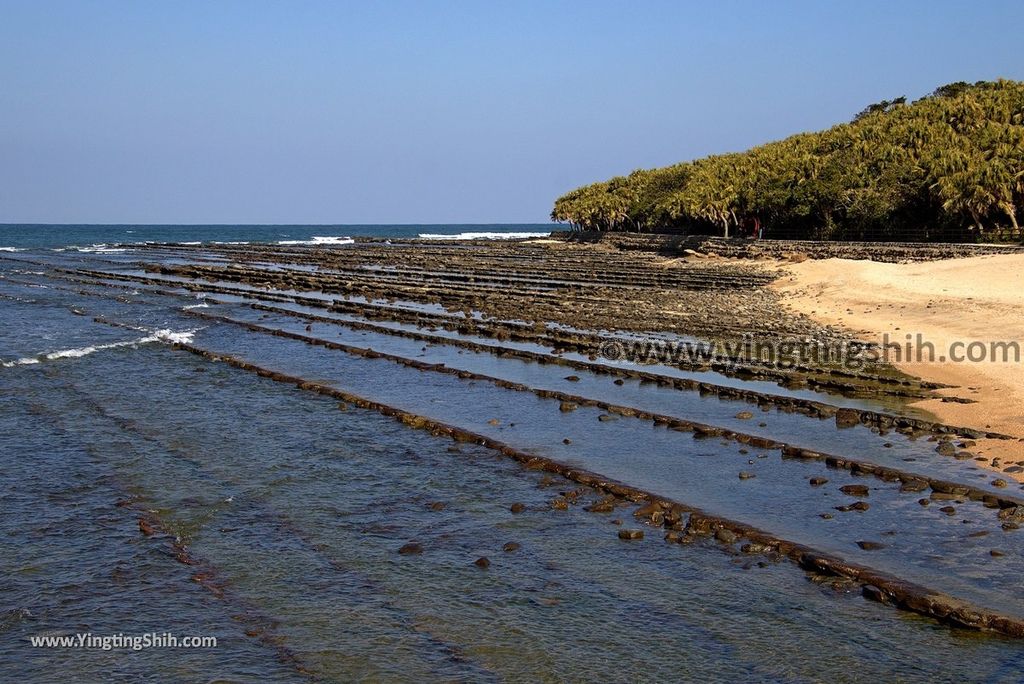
27	236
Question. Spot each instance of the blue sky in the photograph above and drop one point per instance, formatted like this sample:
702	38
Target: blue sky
310	111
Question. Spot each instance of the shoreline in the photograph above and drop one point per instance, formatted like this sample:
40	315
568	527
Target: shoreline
947	308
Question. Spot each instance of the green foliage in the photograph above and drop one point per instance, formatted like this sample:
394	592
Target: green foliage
948	166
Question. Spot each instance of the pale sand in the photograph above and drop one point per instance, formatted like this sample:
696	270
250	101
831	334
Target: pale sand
972	299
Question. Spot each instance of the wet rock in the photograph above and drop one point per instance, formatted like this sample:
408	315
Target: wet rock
914	486
483	562
572	378
924	502
754	547
604	418
1013	469
873	593
674	536
517	507
509	547
630	535
847	418
494	421
410	549
817	481
979	533
620	381
437	506
567	406
146	528
744	415
855	506
998	482
746	475
826	516
559	504
605	505
996	553
945	449
726	536
870	545
948	510
854	489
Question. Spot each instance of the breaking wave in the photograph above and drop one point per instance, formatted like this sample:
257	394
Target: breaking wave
481	236
320	240
165	336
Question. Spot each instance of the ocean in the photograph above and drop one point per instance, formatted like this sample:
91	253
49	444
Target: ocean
27	236
305	454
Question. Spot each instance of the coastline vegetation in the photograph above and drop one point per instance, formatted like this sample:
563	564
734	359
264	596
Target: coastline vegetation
949	166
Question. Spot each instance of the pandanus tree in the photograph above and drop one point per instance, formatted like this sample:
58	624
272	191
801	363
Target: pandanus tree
949	160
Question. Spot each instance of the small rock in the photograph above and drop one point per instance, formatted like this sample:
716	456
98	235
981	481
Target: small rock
410	548
604	418
744	415
559	504
517	507
567	406
948	510
631	534
914	486
746	475
998	482
818	481
509	547
437	506
483	562
494	421
854	489
996	553
572	378
870	545
566	441
855	506
846	418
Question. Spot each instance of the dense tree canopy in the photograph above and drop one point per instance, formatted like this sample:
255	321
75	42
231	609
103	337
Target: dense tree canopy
948	166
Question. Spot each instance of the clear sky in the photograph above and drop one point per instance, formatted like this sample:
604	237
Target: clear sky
315	111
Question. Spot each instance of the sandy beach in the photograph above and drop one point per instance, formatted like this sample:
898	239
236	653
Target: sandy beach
948	302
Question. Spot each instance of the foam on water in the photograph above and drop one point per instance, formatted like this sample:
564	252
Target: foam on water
165	336
481	236
11	249
320	240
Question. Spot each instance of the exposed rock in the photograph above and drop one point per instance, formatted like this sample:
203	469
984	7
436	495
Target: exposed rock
631	534
818	481
726	536
870	545
746	475
854	489
744	415
847	418
509	547
567	406
855	506
410	548
483	562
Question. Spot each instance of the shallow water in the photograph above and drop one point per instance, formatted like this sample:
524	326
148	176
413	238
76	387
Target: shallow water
292	512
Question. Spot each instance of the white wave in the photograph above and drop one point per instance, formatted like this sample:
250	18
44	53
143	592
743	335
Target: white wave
237	242
190	243
165	335
11	249
482	236
320	240
200	305
98	248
